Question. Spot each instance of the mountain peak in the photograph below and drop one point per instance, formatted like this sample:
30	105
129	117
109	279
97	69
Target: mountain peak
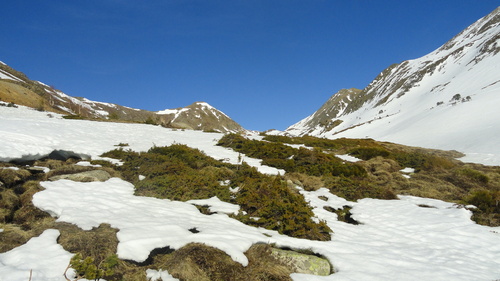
446	99
199	116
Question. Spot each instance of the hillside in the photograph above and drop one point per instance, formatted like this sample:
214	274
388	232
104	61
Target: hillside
179	213
447	99
17	88
369	187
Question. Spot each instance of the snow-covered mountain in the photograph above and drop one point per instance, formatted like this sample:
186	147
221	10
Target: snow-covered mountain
448	99
199	116
17	88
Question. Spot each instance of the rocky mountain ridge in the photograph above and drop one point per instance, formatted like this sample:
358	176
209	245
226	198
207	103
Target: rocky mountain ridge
466	51
433	101
17	88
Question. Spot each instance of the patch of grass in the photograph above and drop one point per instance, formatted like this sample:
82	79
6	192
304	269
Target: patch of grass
302	160
488	206
367	153
421	161
200	262
95	249
354	189
474	175
309	183
73	117
276	207
11	177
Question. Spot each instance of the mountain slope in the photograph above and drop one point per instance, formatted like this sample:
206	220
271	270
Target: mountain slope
17	88
447	99
199	116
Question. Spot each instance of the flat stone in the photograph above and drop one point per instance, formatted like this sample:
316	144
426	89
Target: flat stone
94	175
303	263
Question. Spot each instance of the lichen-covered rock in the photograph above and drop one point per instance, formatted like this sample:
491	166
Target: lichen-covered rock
303	263
95	175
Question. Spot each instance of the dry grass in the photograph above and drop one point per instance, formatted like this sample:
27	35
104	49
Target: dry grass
10	92
307	182
15	235
99	243
199	262
11	177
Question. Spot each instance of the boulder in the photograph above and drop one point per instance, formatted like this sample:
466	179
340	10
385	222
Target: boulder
303	263
64	155
94	175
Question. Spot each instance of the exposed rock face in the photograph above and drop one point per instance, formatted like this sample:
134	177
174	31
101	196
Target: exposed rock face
303	263
95	175
325	118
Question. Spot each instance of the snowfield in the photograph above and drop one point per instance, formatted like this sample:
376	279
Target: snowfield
396	240
29	134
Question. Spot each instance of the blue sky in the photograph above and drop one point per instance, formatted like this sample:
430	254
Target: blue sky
265	63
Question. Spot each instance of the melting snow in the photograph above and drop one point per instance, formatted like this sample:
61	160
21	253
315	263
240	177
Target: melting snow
395	240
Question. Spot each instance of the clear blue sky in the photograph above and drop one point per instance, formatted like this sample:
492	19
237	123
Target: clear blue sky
265	63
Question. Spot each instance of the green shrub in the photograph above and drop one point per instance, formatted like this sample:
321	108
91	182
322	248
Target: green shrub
73	116
483	199
88	269
312	162
421	161
354	189
367	153
474	175
178	172
270	203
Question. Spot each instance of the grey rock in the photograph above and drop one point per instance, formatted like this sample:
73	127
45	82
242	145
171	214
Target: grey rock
303	263
64	155
94	175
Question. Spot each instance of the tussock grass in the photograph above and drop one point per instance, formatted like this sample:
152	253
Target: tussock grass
309	183
15	235
11	177
199	262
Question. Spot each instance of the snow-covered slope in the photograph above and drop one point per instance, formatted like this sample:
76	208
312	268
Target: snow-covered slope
396	240
17	88
448	99
30	134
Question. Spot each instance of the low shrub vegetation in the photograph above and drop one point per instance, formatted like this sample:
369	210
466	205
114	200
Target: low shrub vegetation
178	172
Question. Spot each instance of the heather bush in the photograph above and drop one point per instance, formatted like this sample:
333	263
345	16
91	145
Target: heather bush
354	189
421	161
367	153
312	162
178	172
474	175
